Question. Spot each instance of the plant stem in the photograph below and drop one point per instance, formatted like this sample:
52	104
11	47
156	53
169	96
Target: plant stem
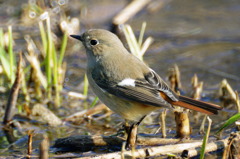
10	51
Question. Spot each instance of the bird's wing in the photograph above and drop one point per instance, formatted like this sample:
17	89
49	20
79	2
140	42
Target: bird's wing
152	90
155	81
145	90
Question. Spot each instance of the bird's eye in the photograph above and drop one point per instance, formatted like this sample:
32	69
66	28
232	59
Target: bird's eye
94	42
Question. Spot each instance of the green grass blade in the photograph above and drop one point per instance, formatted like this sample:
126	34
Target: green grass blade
43	37
56	76
11	56
36	8
94	102
137	48
5	63
205	138
49	57
63	48
3	56
134	42
1	38
55	65
25	88
128	39
146	45
229	122
140	39
85	89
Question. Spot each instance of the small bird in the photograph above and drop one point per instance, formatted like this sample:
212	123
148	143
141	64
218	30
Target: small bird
126	84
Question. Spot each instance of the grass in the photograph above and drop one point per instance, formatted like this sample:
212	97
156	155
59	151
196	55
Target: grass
51	79
7	57
12	62
137	47
94	102
229	122
53	59
205	139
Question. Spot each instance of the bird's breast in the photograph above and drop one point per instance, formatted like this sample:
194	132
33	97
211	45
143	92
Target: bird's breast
130	110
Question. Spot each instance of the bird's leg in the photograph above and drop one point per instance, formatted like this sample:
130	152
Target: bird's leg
132	134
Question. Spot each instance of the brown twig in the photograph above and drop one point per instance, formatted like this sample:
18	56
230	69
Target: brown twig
152	141
43	148
211	147
156	5
174	78
194	149
201	129
163	123
181	118
237	101
182	124
233	148
197	87
226	92
129	11
12	99
85	113
86	143
29	150
36	73
196	94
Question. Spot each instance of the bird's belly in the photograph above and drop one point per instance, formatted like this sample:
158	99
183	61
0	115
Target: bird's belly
130	110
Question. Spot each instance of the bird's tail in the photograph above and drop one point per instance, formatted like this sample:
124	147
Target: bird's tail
200	106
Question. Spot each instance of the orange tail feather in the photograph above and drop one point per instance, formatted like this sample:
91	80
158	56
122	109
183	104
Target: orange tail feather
189	103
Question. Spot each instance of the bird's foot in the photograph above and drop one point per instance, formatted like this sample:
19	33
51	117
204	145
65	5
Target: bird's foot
132	137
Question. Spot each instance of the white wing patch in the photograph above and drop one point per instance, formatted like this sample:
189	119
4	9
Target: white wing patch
127	82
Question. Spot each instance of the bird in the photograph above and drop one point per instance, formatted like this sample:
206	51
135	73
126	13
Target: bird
126	84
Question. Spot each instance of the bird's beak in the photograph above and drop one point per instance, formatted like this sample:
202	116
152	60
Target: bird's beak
78	37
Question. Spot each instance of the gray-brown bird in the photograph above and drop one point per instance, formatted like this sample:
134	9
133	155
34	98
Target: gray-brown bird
125	84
